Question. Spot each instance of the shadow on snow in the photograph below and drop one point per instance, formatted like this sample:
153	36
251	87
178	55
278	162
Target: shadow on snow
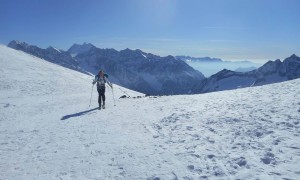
78	114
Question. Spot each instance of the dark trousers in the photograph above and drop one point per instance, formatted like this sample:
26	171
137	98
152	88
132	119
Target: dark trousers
101	92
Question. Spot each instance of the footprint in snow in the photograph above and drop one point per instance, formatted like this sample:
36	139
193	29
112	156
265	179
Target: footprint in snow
210	156
210	140
268	158
190	128
96	152
241	161
191	167
276	142
153	178
203	177
218	171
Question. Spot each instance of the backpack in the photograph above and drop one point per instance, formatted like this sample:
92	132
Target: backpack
102	83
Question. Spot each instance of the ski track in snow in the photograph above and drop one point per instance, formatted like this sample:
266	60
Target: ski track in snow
47	130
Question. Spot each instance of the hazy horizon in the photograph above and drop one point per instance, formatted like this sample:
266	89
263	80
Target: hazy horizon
257	61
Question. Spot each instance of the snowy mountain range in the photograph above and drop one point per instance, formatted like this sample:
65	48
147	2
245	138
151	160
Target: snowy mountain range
151	74
50	54
140	71
271	72
134	69
48	130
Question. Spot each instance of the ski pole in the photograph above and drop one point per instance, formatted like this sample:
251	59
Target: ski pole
91	94
112	89
124	92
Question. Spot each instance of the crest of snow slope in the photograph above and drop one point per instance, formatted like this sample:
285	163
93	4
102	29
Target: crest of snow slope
47	130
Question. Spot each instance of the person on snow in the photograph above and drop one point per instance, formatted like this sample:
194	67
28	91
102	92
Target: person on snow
101	79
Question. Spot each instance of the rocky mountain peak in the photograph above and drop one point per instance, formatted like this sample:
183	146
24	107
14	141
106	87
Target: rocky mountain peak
77	49
17	44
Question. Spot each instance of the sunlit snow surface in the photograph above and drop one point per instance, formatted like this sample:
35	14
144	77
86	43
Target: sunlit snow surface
47	130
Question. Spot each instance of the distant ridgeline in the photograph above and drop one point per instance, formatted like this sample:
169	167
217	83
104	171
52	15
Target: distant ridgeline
210	66
198	59
133	69
271	72
50	54
155	75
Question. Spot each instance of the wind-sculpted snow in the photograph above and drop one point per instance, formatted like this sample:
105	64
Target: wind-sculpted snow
47	130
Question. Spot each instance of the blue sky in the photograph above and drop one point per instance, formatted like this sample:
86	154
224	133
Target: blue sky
227	29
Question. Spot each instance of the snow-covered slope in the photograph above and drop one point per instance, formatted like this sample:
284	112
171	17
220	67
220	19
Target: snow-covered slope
47	130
